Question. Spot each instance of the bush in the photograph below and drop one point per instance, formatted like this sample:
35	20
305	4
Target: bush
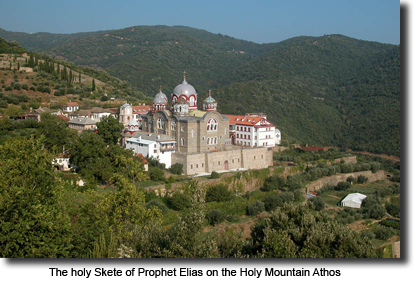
180	201
367	234
255	208
393	209
318	203
156	174
351	179
171	179
215	216
362	179
157	203
384	233
272	201
25	86
343	186
215	175
272	183
177	169
218	193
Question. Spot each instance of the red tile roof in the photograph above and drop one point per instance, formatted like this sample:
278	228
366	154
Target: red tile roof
141	109
246	120
143	158
69	104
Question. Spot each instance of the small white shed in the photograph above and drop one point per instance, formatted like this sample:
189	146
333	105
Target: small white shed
353	200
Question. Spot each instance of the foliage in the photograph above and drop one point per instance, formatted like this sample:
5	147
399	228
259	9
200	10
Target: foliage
32	222
318	203
295	232
158	204
362	179
218	193
273	182
109	129
255	208
156	174
176	168
215	216
180	201
215	175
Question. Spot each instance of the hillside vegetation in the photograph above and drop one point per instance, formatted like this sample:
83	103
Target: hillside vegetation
328	90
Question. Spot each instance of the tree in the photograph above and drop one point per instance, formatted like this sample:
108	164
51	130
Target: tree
218	193
93	85
33	221
176	168
56	132
109	129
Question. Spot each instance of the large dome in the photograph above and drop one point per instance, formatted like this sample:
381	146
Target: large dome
184	89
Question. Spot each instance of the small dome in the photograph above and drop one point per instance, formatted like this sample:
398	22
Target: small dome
159	100
133	123
209	99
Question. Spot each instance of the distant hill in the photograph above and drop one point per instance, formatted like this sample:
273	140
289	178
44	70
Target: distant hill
328	90
13	47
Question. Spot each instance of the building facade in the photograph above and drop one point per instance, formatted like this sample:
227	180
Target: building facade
203	142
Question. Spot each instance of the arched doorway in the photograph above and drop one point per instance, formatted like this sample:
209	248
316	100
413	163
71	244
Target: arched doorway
226	165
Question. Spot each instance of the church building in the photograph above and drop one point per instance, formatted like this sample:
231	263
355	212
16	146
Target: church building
203	142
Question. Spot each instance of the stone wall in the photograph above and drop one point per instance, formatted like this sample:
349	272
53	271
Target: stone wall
335	179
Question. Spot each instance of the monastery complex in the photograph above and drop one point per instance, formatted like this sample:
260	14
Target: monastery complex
202	140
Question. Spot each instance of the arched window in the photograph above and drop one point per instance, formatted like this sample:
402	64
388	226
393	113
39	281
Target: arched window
192	101
160	123
183	141
208	139
212	125
173	125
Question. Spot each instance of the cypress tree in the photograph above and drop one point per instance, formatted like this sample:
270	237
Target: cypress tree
79	78
93	84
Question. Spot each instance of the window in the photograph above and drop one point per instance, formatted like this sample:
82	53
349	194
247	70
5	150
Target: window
254	157
160	123
183	128
183	141
155	151
212	125
196	165
219	162
173	125
192	166
202	165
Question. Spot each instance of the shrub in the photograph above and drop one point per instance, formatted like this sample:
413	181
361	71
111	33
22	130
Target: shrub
25	86
215	216
156	174
157	203
171	179
176	168
362	179
218	193
272	201
273	182
180	201
343	186
255	208
383	233
17	86
351	179
8	88
393	209
367	234
214	175
318	203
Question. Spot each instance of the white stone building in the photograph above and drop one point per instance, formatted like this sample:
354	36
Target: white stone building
252	130
151	145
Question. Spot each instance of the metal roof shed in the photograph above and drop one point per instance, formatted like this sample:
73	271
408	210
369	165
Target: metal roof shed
353	200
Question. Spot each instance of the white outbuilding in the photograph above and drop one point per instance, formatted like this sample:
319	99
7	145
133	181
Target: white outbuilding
353	200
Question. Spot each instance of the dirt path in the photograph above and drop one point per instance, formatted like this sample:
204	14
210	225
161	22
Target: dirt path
394	159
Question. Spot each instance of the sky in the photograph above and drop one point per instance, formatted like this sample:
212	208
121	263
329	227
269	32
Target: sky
258	21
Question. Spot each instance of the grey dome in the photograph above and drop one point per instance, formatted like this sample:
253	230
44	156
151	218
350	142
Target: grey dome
184	89
160	98
133	123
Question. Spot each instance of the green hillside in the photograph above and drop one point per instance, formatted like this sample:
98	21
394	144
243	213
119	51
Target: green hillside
328	90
